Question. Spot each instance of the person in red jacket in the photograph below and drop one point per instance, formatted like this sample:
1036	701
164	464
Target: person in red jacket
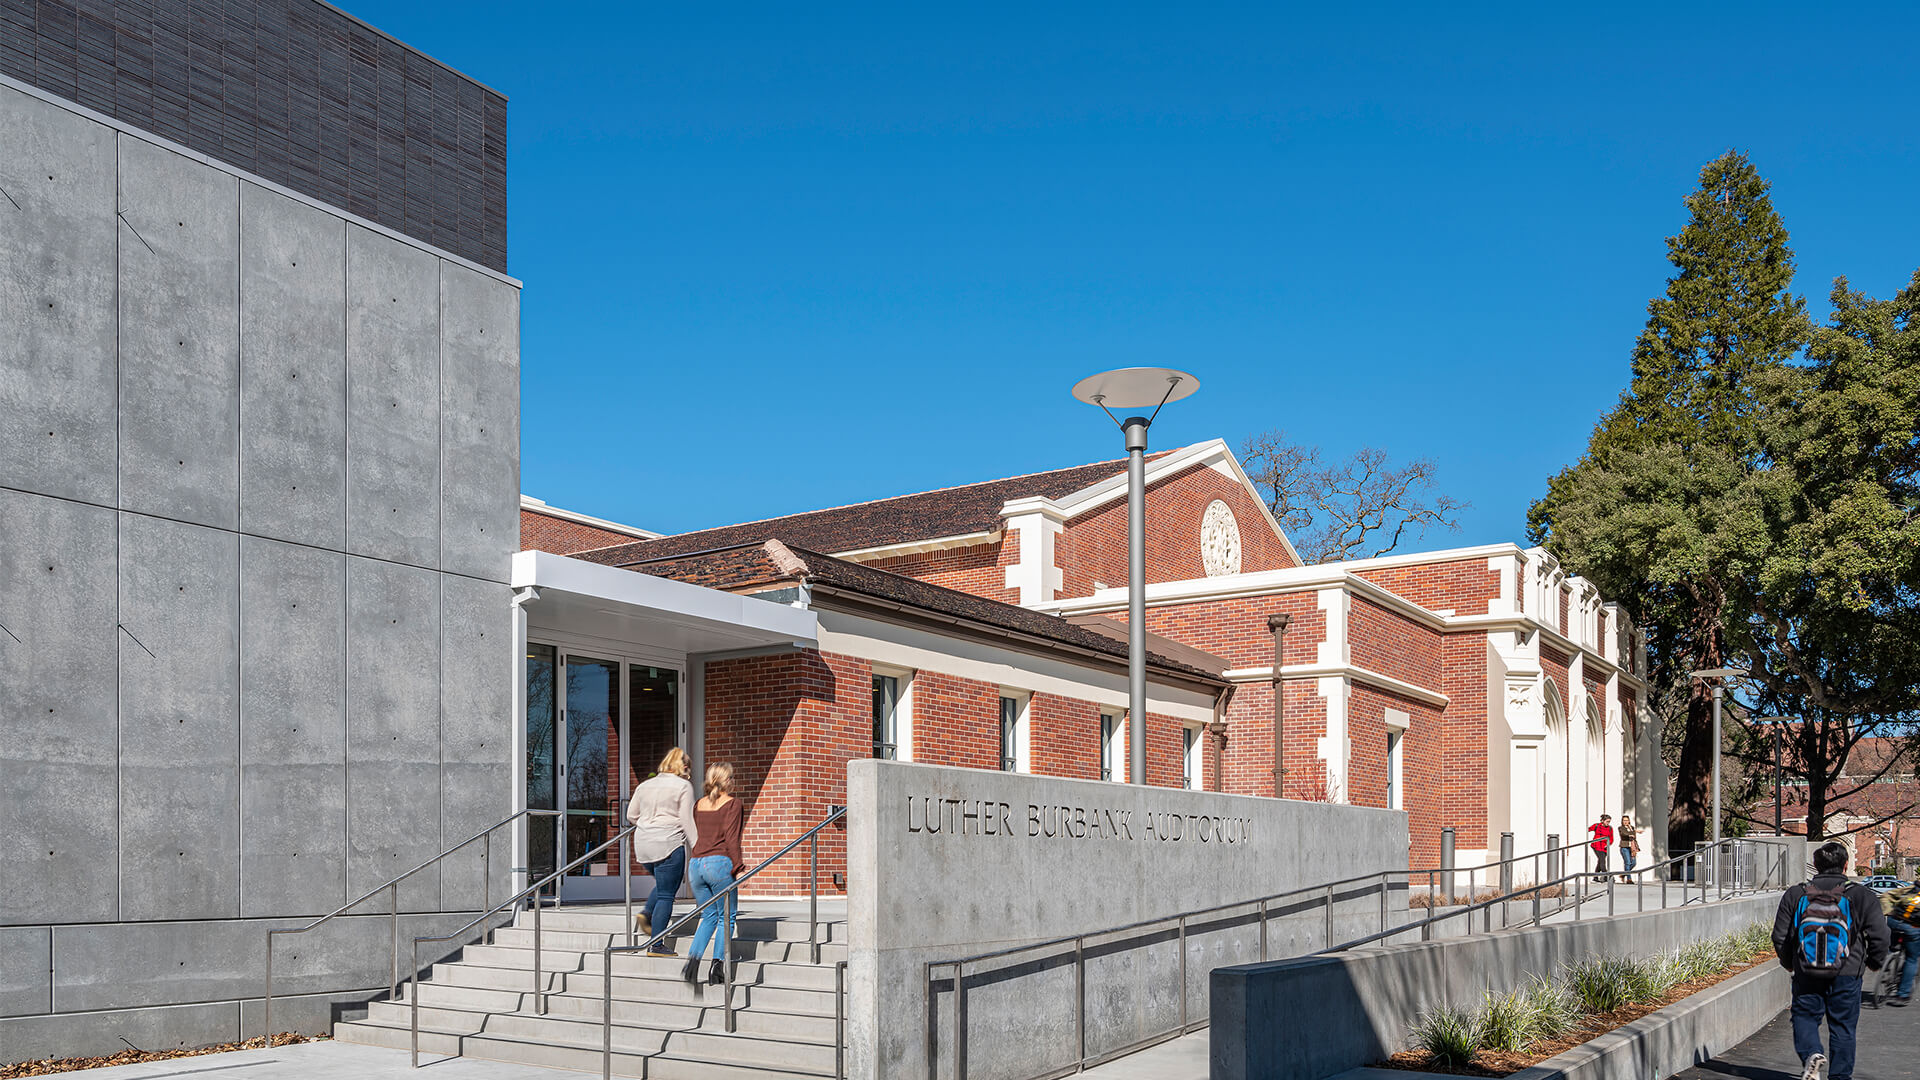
1602	833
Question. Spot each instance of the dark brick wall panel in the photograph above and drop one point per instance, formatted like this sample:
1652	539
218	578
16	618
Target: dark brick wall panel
290	90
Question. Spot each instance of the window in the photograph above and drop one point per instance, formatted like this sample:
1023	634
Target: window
1109	745
886	717
1012	734
1396	734
1190	767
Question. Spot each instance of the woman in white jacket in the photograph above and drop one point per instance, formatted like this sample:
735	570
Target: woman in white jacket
662	810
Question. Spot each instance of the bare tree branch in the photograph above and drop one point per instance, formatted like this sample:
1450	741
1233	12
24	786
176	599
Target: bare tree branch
1362	505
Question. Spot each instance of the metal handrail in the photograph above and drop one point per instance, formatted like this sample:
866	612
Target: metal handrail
1327	889
392	888
1321	886
539	984
1425	926
730	893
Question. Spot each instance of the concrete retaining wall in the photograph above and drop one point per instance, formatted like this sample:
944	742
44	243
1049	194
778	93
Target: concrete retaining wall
258	485
947	862
1357	1006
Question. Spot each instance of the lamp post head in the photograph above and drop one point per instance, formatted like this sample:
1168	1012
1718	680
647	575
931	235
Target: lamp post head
1718	673
1136	389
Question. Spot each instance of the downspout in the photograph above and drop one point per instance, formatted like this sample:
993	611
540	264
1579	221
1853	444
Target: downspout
1278	624
1218	729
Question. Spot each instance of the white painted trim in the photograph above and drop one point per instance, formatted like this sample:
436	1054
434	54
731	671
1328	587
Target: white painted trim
1345	671
1436	558
1335	747
917	547
1318	579
537	506
1037	577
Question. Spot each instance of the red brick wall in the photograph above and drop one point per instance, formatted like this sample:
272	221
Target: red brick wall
538	532
1466	586
1066	736
980	569
1463	774
956	721
1094	547
1423	764
1629	715
1235	628
789	724
1247	754
1392	644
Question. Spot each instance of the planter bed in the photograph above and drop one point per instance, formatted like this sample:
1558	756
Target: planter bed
1493	1063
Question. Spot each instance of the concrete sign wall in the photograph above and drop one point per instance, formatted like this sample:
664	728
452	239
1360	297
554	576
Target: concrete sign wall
259	468
946	862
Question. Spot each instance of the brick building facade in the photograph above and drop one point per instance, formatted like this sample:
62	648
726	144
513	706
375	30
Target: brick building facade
1479	688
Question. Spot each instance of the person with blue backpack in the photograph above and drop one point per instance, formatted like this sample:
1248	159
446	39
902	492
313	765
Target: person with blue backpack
1828	932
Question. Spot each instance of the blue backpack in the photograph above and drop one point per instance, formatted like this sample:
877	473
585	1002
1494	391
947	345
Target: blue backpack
1823	925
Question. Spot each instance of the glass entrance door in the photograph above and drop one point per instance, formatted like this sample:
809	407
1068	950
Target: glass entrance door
593	782
595	729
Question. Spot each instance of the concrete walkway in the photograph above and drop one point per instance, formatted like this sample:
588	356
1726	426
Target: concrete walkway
1887	1048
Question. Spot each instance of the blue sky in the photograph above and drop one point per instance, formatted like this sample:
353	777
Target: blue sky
795	256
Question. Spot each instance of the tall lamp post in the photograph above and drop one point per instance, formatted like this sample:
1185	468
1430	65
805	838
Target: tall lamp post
1719	676
1136	390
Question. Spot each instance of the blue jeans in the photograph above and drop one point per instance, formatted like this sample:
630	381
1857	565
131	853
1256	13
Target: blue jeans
667	875
711	873
1839	1002
1627	860
1911	934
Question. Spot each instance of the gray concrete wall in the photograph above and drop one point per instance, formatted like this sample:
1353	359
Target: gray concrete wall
258	485
1011	874
1358	1005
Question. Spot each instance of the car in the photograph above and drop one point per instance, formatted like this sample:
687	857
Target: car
1885	883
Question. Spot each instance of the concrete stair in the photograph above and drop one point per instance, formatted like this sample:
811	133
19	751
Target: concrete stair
482	1003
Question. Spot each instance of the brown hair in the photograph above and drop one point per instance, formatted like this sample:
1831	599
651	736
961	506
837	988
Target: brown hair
719	778
676	763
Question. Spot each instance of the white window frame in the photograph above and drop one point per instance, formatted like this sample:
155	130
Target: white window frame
1022	729
902	709
1397	724
1113	746
1192	757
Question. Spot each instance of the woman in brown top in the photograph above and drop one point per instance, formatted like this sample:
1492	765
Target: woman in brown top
716	862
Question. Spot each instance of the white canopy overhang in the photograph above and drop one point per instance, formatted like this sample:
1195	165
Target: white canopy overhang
612	604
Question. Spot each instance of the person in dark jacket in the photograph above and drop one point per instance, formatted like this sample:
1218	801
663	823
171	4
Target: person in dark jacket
1836	998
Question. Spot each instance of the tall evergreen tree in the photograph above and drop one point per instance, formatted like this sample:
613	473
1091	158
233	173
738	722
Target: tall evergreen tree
1642	513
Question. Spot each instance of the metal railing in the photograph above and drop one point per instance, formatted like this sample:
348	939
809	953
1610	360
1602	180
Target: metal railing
729	896
532	892
1776	877
392	888
1328	891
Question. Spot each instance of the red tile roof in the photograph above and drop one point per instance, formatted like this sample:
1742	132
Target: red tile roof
902	519
773	561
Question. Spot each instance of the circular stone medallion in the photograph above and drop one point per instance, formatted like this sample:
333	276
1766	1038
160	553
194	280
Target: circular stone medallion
1219	540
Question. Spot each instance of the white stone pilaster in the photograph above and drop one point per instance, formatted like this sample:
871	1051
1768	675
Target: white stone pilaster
1038	522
